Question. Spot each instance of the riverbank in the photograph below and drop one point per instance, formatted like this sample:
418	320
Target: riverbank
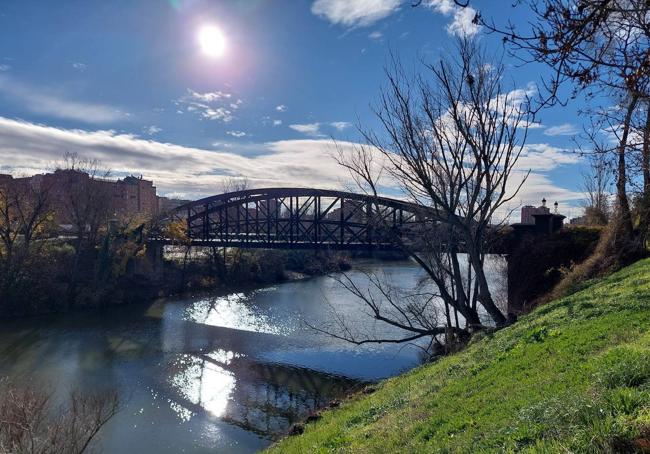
132	282
572	376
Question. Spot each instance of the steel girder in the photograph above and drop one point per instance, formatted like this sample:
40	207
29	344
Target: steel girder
301	218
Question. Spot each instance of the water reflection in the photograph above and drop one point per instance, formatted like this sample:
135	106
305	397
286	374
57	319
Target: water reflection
226	373
262	397
259	397
231	311
203	383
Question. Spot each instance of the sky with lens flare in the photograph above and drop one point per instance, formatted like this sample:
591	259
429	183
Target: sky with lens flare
191	92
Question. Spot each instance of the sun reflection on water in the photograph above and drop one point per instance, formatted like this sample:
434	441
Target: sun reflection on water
232	311
204	383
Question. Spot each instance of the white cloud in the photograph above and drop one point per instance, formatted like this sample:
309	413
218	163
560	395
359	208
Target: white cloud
281	108
219	114
517	100
340	125
445	7
45	103
214	105
309	162
309	129
519	96
80	66
462	23
28	148
237	134
542	157
565	129
4	68
376	35
354	13
277	122
151	130
210	96
313	129
536	187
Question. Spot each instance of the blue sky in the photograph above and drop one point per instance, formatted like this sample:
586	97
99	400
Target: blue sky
127	82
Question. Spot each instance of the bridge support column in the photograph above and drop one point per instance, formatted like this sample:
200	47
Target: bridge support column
515	301
154	261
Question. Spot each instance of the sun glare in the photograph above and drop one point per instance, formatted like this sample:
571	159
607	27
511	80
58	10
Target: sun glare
211	41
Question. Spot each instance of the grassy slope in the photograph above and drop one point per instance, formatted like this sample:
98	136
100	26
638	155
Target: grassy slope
572	376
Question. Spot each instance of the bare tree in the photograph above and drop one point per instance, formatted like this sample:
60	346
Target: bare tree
592	44
598	46
452	144
644	161
87	202
232	184
25	215
596	184
87	199
30	423
25	221
415	314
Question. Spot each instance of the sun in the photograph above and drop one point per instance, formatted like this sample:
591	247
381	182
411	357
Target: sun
211	41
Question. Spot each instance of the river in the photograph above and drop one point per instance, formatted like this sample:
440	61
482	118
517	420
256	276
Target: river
217	373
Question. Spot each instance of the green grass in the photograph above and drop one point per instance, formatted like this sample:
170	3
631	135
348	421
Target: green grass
573	376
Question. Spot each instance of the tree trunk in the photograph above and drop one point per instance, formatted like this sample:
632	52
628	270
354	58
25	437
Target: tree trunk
624	217
644	208
470	314
485	296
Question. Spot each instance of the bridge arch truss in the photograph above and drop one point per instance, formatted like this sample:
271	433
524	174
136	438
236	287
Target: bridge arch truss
299	218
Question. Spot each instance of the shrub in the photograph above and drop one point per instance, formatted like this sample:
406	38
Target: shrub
31	423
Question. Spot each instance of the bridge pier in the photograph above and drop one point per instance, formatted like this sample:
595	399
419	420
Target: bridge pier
515	303
152	263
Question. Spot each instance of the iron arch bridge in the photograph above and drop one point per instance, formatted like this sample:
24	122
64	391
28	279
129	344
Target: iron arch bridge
298	218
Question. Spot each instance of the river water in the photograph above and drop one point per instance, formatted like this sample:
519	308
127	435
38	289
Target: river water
218	373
